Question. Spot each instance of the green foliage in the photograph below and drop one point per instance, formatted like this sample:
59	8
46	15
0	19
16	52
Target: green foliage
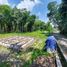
32	52
52	7
39	25
15	20
49	27
31	21
54	15
5	64
63	13
58	15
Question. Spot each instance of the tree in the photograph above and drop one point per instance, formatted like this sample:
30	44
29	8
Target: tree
63	13
5	12
53	14
31	20
17	16
39	25
25	16
15	20
49	27
1	22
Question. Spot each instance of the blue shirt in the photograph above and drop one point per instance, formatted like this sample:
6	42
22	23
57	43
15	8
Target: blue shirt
51	43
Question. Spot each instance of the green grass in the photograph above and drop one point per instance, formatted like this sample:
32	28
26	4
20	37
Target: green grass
4	64
34	34
4	50
33	51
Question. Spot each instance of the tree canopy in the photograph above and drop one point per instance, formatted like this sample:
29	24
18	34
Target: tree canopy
14	20
58	15
18	20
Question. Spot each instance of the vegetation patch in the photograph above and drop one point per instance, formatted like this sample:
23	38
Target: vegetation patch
32	52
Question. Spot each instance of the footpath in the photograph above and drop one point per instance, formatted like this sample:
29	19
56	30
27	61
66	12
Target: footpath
62	45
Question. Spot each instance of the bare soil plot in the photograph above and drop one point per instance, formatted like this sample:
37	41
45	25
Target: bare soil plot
16	40
43	61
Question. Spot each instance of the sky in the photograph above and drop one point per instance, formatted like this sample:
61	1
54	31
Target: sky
37	7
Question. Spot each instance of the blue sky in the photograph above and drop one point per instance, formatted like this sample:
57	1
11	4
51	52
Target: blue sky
37	7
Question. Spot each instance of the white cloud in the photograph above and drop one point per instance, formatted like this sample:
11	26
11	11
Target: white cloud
4	2
28	4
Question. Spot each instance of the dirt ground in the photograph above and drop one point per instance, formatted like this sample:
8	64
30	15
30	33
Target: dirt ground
42	61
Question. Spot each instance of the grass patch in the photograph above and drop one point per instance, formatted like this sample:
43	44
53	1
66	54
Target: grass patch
4	50
4	64
33	51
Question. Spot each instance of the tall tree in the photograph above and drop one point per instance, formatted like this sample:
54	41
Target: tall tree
63	13
15	20
53	12
25	16
5	12
31	21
